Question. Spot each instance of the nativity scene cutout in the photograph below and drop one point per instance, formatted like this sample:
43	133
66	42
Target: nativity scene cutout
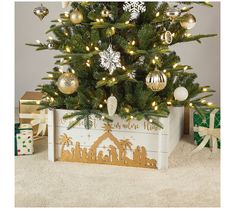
116	155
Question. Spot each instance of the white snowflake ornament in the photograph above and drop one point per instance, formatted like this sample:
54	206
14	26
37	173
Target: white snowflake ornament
135	8
110	60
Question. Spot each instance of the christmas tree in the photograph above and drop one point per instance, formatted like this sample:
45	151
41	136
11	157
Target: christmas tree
115	57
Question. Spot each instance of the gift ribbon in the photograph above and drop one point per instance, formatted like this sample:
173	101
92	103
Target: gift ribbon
209	134
38	119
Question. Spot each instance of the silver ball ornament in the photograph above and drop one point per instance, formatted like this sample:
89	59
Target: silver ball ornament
188	21
181	93
50	45
67	83
156	80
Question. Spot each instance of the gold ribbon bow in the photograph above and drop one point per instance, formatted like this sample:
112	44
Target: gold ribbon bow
210	134
38	119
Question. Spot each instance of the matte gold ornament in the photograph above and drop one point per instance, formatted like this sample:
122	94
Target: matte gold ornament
67	83
41	12
76	16
112	105
105	12
156	80
188	21
172	12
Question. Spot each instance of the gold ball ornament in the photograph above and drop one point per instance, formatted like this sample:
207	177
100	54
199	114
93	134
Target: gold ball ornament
105	12
188	21
41	12
76	16
156	80
67	83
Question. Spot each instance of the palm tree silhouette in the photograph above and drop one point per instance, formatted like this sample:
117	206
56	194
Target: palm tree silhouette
126	144
64	140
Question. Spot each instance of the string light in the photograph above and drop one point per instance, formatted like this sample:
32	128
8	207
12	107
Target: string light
156	108
66	33
127	22
37	102
102	117
67	49
59	20
97	20
154	103
133	43
157	14
52	99
61	70
103	78
47	98
123	67
87	48
187	34
70	58
50	75
66	14
169	103
113	79
100	105
184	8
74	119
131	52
56	93
204	89
73	71
150	120
88	63
164	71
209	103
96	48
38	41
186	68
105	101
101	20
175	65
126	109
156	57
154	61
190	104
173	34
50	38
203	101
131	117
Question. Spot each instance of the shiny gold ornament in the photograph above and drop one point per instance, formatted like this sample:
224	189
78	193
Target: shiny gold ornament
105	12
188	21
67	83
156	80
41	12
76	16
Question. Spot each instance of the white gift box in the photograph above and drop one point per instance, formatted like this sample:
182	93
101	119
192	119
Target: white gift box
148	146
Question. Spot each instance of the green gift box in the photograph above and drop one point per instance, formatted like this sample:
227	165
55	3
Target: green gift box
203	125
23	139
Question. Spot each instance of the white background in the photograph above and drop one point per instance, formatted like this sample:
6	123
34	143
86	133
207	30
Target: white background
7	104
32	65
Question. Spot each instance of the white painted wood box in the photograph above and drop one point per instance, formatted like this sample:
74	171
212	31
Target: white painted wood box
129	143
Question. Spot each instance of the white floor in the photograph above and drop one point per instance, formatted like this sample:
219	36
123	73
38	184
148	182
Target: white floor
191	181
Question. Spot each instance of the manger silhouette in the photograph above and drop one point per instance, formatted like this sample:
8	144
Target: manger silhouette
116	155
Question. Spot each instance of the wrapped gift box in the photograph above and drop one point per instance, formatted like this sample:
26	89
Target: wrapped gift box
29	113
203	127
23	139
127	143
